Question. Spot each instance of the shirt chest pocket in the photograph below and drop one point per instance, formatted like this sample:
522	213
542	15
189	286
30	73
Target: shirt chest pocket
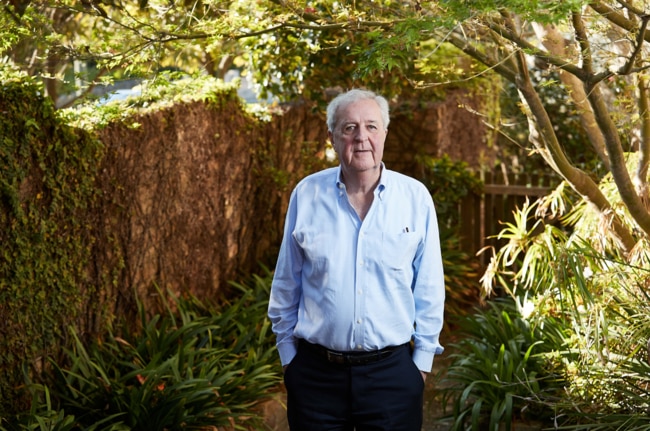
317	250
398	250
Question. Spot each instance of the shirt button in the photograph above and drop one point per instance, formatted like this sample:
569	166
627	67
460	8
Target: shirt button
359	321
360	292
359	347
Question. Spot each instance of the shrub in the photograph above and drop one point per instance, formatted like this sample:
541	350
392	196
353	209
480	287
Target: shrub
449	182
500	369
576	273
190	368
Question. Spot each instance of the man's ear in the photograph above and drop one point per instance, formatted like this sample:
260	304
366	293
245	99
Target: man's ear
330	137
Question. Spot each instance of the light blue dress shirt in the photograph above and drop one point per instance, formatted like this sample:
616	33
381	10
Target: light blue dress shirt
353	285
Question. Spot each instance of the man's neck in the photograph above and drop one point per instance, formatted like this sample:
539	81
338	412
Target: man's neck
362	181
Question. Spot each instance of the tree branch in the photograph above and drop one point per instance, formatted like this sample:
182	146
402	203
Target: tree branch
531	49
628	66
459	41
619	170
583	43
618	18
578	179
554	41
519	56
644	146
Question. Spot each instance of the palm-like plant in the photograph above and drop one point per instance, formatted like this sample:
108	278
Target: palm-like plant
574	271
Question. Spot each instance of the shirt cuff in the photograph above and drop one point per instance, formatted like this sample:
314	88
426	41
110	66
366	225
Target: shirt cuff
287	352
423	360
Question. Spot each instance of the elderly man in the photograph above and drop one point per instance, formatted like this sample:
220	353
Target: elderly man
358	293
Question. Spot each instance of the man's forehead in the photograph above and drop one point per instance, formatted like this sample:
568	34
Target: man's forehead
352	113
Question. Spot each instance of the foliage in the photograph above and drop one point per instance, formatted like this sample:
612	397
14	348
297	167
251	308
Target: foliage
516	42
157	93
293	49
195	366
516	154
600	297
58	251
287	49
596	50
461	277
501	371
81	44
41	416
449	182
46	185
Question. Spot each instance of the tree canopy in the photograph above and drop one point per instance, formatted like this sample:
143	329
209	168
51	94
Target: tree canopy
594	53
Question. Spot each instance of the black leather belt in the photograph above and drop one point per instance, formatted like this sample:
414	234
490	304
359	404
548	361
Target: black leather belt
351	358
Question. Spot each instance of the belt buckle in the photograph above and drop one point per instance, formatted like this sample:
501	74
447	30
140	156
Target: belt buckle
337	358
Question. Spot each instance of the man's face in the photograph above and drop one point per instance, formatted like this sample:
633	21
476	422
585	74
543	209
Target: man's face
359	136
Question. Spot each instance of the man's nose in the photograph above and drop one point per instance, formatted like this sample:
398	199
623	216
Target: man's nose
362	134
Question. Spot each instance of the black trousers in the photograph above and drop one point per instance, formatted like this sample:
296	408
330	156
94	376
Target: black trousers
386	395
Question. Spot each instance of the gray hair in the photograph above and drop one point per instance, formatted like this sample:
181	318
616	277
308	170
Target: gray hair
352	96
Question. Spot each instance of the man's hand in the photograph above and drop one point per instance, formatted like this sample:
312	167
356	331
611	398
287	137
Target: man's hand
424	375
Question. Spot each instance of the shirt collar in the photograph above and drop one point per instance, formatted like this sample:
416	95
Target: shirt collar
380	188
339	180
